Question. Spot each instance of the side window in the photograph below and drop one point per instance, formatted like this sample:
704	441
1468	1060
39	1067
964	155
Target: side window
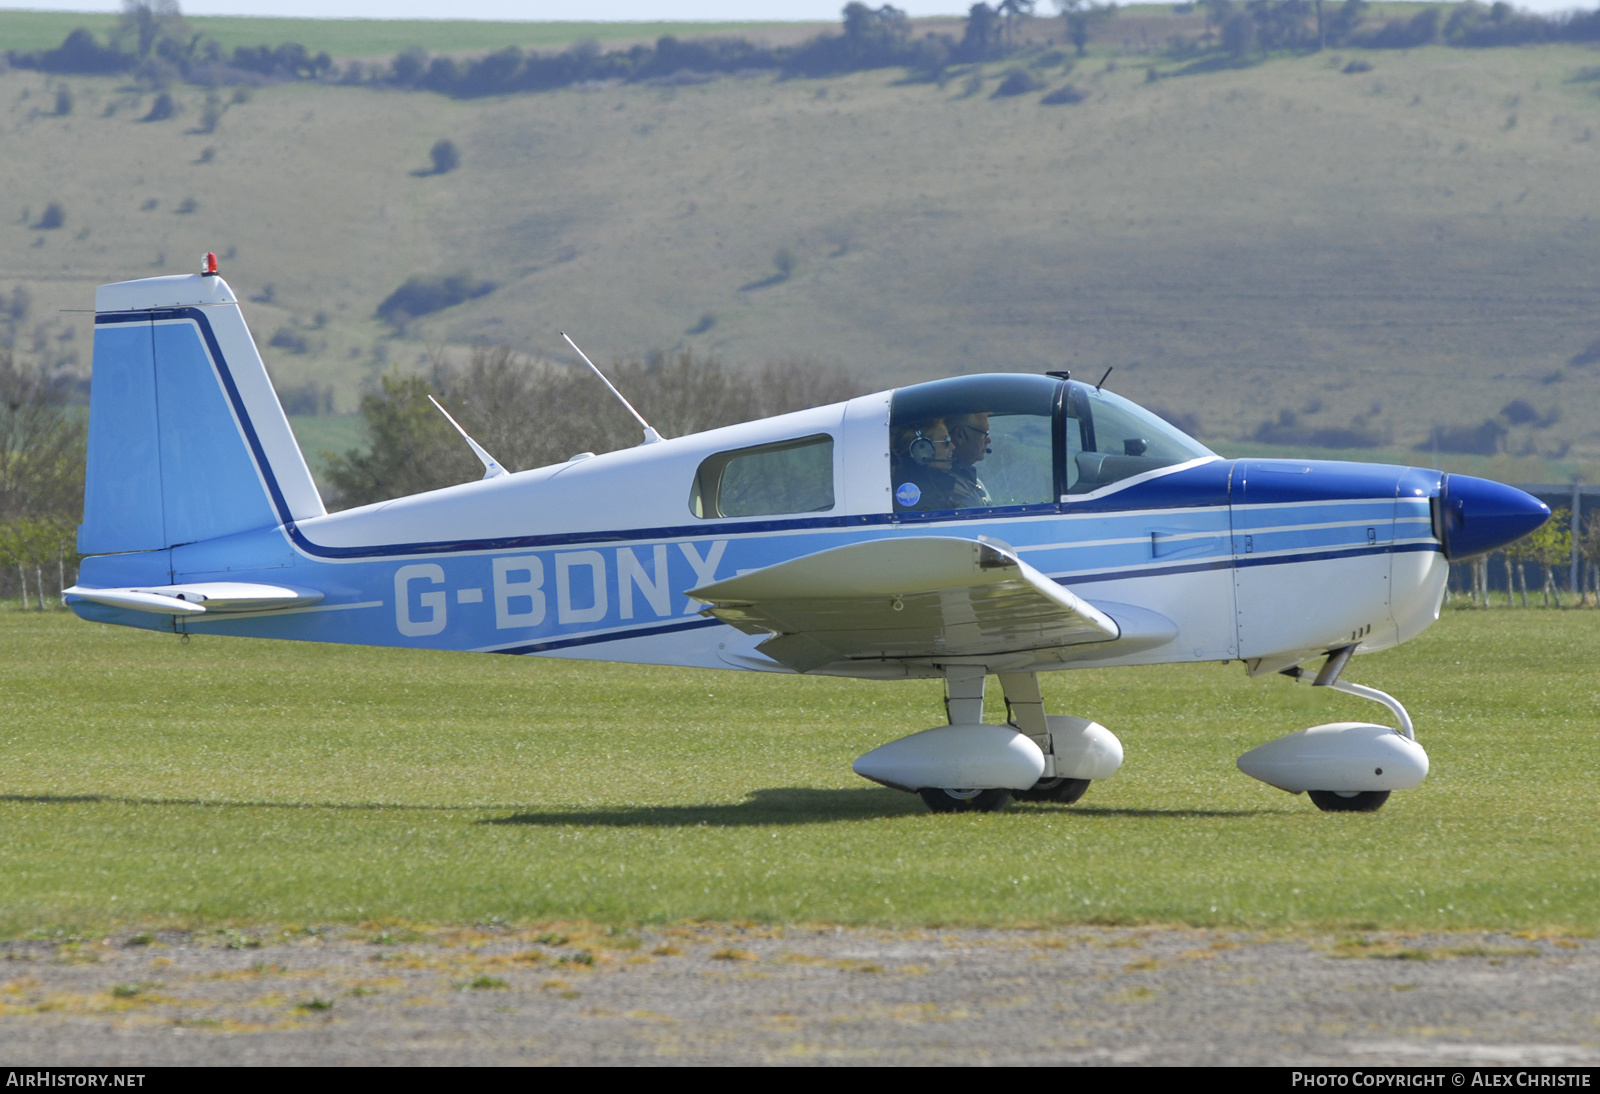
766	480
1016	470
973	442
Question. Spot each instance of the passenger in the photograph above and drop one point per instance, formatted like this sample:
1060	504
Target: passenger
971	435
921	458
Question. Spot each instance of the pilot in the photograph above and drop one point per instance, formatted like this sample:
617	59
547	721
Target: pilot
971	435
922	456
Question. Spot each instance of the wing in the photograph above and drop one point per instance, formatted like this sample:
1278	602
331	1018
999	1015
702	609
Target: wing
916	598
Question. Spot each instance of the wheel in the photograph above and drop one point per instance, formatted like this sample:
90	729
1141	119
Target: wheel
1349	801
965	801
1064	791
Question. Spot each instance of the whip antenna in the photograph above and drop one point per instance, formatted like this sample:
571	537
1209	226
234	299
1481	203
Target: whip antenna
650	435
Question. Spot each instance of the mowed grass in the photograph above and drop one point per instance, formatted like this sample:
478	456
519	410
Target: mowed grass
226	780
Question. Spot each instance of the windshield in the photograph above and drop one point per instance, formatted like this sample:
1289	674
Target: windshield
1006	440
1109	439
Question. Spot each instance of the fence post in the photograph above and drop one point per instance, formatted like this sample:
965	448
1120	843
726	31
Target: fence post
1577	500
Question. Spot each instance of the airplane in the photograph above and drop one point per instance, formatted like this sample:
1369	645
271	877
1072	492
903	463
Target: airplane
849	540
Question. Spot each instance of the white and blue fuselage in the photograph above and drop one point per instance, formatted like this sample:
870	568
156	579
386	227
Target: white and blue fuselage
196	483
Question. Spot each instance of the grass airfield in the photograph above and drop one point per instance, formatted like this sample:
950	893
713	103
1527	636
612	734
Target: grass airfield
234	783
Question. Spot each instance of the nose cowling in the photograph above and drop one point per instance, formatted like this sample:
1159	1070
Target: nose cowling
1477	515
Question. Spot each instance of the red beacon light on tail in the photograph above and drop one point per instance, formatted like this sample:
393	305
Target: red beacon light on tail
208	264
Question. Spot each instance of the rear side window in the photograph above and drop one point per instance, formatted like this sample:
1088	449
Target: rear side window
766	480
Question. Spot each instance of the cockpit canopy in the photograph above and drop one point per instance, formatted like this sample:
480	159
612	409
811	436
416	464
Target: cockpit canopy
1000	441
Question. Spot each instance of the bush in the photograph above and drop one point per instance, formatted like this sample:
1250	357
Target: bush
1589	355
41	445
209	117
79	53
1470	440
1018	81
162	109
1419	30
409	66
1064	95
1289	430
1185	420
445	157
287	338
307	400
1519	412
423	295
53	217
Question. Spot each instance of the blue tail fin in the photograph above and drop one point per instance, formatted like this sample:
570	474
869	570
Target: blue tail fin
187	440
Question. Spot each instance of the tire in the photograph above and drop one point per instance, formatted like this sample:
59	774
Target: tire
1063	791
1361	801
965	801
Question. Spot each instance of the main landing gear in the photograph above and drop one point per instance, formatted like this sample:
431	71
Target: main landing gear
970	767
1346	767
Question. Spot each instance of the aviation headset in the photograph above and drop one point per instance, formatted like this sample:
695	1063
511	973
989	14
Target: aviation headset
922	450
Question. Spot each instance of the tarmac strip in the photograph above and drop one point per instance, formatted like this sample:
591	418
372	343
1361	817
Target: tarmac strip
580	994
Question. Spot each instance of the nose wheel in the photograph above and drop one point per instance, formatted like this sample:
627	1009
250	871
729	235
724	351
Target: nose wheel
940	800
1365	762
1348	801
1061	791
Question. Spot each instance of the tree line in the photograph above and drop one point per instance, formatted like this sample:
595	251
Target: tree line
530	412
42	458
1550	549
153	42
1244	27
156	45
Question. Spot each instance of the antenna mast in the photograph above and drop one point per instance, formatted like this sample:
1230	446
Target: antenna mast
650	435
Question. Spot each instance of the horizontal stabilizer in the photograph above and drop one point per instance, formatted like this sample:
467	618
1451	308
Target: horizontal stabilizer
913	598
201	597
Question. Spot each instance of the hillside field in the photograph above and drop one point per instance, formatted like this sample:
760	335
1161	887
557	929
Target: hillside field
1399	248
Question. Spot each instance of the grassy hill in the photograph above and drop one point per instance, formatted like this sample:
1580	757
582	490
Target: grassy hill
26	30
1402	247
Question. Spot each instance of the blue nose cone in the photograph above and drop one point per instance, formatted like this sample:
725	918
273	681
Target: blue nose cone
1478	515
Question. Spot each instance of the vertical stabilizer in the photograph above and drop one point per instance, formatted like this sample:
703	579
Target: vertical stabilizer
187	440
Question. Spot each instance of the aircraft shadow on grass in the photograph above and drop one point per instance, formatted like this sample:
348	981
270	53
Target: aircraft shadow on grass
787	805
773	806
798	805
214	803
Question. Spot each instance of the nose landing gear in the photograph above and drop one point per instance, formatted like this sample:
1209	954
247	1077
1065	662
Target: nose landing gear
1346	767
